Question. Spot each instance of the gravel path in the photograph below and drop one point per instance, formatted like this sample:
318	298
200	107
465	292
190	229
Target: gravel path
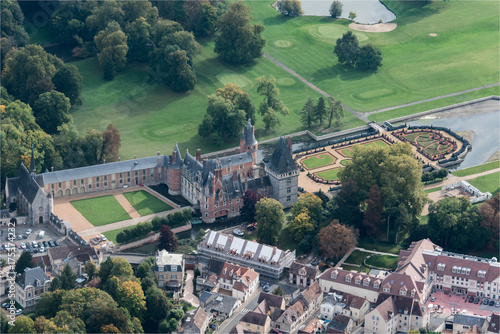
364	115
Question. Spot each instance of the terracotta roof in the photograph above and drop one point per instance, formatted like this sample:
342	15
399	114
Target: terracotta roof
294	311
230	270
200	317
311	327
386	309
41	260
473	330
312	292
272	300
255	318
341	275
63	252
402	304
240	286
310	271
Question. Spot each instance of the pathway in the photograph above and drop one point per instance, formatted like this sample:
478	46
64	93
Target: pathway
132	212
188	289
339	264
364	115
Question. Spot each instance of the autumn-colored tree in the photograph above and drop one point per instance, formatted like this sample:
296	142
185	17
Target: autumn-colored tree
312	203
301	225
490	210
336	239
247	211
109	329
167	240
111	143
131	297
39	324
23	325
373	212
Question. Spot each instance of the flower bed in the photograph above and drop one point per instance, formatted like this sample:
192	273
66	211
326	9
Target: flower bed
428	146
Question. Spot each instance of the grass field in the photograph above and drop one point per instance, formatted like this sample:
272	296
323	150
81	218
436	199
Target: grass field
348	152
361	269
477	169
357	257
111	235
152	118
487	183
320	160
416	66
345	162
330	175
377	245
101	211
383	261
145	203
431	190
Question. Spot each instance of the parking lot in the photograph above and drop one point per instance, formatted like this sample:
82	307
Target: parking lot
458	304
33	236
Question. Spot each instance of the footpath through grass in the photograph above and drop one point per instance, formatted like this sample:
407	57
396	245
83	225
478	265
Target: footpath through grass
357	257
102	210
145	203
477	169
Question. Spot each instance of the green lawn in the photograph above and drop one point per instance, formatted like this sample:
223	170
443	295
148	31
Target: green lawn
373	244
416	66
101	210
383	261
145	203
345	162
431	190
348	152
357	257
152	118
361	269
477	169
330	175
111	235
487	183
316	161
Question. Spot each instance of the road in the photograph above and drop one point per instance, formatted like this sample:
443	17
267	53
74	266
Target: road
244	308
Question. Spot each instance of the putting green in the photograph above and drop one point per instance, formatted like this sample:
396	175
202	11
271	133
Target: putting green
237	79
330	33
283	43
286	81
373	94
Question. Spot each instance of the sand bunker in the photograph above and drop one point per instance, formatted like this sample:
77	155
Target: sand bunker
379	27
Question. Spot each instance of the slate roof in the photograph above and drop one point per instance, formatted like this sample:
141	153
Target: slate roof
27	184
494	324
338	324
272	300
191	164
236	159
215	266
247	135
255	318
311	271
231	189
258	183
208	168
103	169
468	320
12	185
281	161
30	276
178	159
223	306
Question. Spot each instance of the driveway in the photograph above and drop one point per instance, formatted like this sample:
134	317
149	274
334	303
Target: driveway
188	289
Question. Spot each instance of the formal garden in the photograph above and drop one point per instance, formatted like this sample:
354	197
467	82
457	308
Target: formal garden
432	144
101	210
145	203
363	262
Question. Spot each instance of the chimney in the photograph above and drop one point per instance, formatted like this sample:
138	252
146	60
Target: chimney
253	130
198	155
213	184
204	162
135	156
235	175
52	168
103	161
187	151
118	158
158	158
290	144
157	153
174	157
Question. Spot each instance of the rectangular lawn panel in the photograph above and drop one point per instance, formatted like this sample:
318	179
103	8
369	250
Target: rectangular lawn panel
331	174
146	203
383	261
348	151
357	257
102	210
477	169
361	269
319	160
487	183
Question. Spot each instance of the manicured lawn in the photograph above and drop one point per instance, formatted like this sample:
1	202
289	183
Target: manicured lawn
321	160
145	203
111	235
487	183
357	257
383	261
101	210
345	162
416	66
361	269
430	146
371	244
348	152
431	190
331	174
152	118
477	169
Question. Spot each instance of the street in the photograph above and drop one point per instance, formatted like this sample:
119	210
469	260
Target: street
249	305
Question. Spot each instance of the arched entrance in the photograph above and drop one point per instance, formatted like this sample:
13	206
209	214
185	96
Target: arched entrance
74	191
67	192
82	190
40	220
60	193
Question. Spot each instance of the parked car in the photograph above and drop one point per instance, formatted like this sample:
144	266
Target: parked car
18	312
433	299
5	305
34	244
25	236
28	231
103	238
45	244
485	301
23	246
95	241
57	243
40	244
19	237
476	300
492	302
42	249
238	232
51	243
266	288
471	299
497	304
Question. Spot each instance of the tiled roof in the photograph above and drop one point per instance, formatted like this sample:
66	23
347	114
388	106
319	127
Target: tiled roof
311	271
272	300
468	320
338	324
64	252
294	311
258	183
200	317
247	135
30	276
311	327
281	161
312	292
341	278
494	324
255	318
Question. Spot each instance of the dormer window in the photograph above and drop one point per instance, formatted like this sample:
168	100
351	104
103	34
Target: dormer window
357	280
441	266
481	273
366	282
464	271
348	278
454	269
376	284
402	292
335	273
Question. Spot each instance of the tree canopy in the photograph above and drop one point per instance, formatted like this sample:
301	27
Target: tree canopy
270	218
336	9
336	239
289	7
68	81
272	104
24	261
346	48
369	58
51	110
112	45
167	240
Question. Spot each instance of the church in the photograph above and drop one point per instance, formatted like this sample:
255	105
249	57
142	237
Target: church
214	186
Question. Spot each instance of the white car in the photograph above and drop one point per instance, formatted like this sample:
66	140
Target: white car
238	232
103	238
28	231
23	246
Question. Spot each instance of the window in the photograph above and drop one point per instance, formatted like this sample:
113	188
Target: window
90	186
74	182
160	268
128	173
289	190
289	198
105	183
82	181
136	173
97	179
121	174
441	266
174	276
52	186
160	276
105	177
60	185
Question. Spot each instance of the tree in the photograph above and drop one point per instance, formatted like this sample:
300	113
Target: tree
301	225
223	121
312	204
345	206
167	240
181	74
335	111
369	58
74	325
4	323
131	297
270	217
308	113
51	110
49	303
272	103
206	23
240	99
491	216
26	69
12	23
373	212
168	326
144	269
121	268
105	270
111	143
23	325
250	199
347	48
112	45
91	269
68	278
237	41
336	9
108	11
55	284
24	261
157	308
320	110
335	240
68	81
289	7
352	16
279	291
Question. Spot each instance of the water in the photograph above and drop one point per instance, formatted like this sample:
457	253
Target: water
485	128
367	11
